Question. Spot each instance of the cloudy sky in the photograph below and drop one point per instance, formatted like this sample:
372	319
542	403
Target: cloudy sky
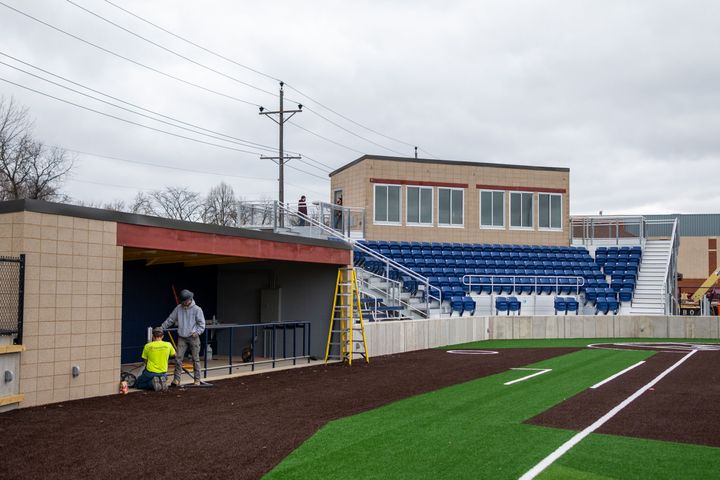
625	94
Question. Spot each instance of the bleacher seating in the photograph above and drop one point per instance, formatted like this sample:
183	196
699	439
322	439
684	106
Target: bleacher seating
506	270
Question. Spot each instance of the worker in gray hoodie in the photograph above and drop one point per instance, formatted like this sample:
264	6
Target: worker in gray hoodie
190	321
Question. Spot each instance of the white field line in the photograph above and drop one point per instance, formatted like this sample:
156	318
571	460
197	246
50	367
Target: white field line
547	461
539	372
610	379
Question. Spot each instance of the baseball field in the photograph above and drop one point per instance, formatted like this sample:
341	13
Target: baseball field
576	409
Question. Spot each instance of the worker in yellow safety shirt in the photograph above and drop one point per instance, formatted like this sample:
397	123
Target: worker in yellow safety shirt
155	355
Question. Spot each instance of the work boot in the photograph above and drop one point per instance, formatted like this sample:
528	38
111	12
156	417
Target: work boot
196	383
175	384
157	384
164	384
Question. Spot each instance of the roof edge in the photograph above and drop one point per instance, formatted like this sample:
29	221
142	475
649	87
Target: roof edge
446	162
41	206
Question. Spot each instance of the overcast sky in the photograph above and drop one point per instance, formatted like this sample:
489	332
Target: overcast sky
624	93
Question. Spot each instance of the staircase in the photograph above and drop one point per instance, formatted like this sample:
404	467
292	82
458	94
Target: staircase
649	297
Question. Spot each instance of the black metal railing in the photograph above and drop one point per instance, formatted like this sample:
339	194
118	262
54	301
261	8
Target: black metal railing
279	350
12	296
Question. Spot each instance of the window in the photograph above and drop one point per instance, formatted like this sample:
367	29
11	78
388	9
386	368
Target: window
387	203
450	206
492	208
550	211
521	207
419	205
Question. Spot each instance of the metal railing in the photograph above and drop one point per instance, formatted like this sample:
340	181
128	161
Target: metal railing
593	229
12	296
390	289
254	329
431	293
670	285
501	281
287	217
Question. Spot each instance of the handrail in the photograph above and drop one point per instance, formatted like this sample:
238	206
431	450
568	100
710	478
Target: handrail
397	286
389	263
674	244
579	281
254	327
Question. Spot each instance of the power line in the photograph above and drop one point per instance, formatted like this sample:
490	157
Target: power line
126	120
123	108
192	43
327	139
146	126
179	37
352	133
157	165
174	168
160	72
247	143
238	142
170	50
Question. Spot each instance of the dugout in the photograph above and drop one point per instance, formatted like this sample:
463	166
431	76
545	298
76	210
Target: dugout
96	279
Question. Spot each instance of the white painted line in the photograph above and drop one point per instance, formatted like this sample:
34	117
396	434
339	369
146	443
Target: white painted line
547	461
610	379
473	352
539	372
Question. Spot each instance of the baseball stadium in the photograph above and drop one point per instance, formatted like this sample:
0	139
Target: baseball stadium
431	319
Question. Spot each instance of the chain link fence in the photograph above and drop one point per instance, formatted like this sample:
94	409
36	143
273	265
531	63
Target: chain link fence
12	294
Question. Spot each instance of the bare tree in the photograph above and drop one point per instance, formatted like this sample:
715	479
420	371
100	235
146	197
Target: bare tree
220	206
28	169
143	204
178	203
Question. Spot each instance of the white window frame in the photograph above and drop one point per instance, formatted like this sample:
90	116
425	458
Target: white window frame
381	222
451	225
553	229
420	223
504	213
532	214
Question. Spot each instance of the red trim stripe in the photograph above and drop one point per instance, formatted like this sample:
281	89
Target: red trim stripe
198	242
419	182
521	189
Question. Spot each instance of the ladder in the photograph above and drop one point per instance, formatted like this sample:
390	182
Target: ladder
346	336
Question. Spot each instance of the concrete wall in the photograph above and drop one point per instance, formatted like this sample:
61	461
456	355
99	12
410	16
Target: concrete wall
358	192
73	290
385	338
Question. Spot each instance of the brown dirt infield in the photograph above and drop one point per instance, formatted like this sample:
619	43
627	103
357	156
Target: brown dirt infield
683	407
240	429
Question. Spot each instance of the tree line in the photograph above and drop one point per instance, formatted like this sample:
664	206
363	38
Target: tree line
33	170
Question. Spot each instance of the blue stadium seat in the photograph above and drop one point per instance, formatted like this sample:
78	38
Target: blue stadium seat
626	294
501	305
456	305
560	305
572	305
469	305
514	305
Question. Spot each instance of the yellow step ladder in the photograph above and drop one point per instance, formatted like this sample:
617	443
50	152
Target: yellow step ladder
346	336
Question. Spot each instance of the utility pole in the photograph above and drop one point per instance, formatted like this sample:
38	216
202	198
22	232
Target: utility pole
415	152
281	158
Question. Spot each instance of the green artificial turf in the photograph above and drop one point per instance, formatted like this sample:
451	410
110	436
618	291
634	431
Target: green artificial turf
471	430
568	342
606	456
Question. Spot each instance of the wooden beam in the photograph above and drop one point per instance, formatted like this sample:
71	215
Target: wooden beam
11	399
11	348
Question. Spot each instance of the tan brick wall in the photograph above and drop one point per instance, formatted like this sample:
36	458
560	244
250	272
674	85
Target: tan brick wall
358	191
73	294
693	258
